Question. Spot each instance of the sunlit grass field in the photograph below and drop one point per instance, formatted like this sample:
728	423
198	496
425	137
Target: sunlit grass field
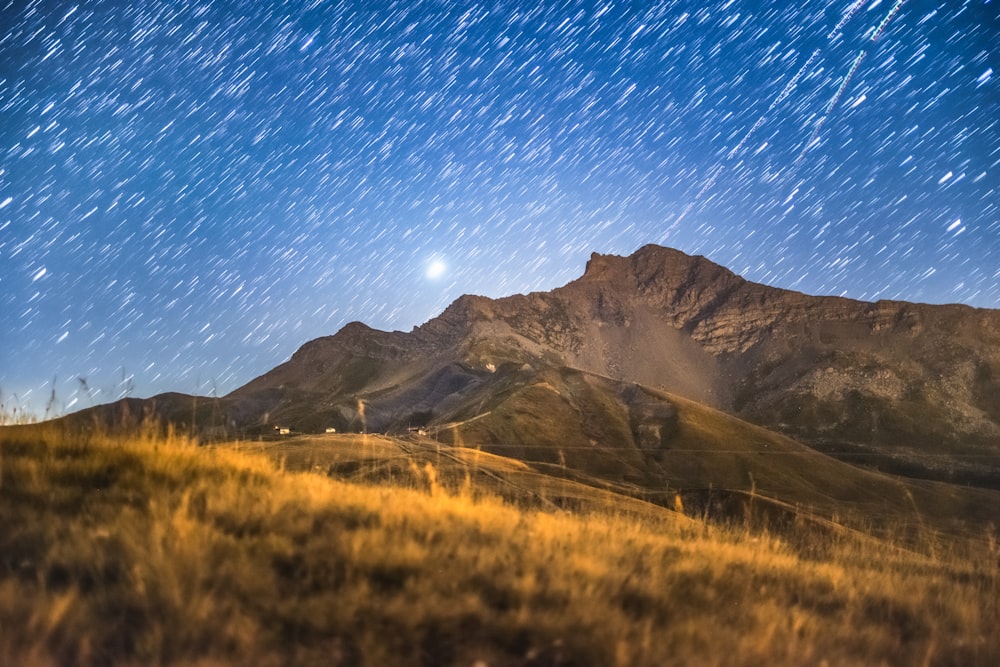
148	549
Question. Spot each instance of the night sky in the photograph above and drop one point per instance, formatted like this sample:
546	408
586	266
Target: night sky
189	191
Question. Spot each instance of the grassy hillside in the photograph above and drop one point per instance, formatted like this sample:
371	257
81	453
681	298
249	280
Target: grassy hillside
151	550
650	441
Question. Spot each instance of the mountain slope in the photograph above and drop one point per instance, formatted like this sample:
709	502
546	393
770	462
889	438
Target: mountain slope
646	374
913	388
653	444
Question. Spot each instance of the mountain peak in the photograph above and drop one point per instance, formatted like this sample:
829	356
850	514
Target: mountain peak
355	328
605	266
656	264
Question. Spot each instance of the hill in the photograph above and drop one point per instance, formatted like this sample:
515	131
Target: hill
148	549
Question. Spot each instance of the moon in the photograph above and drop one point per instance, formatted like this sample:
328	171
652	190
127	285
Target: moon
435	269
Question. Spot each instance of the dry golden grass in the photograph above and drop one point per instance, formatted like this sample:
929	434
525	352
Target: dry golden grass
149	550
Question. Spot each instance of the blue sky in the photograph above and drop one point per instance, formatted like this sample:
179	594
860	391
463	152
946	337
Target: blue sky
188	192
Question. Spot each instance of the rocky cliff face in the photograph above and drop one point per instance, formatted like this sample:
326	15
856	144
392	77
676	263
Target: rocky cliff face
912	386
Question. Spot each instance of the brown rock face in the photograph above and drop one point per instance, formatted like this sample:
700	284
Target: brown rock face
912	387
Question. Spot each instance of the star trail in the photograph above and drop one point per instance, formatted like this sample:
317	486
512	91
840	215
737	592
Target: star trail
190	191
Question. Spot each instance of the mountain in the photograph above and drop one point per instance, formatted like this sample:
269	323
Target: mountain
661	373
911	388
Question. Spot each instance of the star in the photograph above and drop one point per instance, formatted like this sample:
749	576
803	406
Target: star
194	190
